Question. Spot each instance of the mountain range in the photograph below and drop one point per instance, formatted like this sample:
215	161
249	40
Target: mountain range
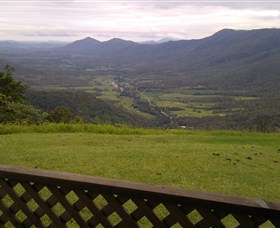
229	59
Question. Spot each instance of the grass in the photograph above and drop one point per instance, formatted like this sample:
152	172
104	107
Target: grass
228	162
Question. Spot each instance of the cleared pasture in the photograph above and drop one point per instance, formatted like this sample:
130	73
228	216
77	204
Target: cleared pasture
233	163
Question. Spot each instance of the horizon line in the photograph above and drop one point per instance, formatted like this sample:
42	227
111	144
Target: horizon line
151	40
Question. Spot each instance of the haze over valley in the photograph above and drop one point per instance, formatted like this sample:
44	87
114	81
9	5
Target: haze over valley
174	83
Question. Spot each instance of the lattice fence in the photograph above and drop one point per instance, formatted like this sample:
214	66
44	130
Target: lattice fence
37	198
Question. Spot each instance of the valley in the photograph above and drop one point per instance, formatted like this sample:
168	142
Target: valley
226	81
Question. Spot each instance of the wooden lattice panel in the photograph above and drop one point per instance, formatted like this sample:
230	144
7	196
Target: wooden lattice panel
36	198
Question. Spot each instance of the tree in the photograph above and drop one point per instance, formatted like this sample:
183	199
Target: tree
13	109
11	88
263	123
60	114
20	113
78	119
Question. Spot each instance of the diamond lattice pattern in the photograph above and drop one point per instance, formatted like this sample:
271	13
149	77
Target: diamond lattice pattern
26	204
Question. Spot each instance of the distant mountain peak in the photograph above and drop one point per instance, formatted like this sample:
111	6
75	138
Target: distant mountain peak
163	40
225	32
118	41
87	45
88	39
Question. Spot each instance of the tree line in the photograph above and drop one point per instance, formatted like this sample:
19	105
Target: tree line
21	105
15	109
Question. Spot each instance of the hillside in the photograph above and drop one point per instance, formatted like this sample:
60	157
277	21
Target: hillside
228	59
229	80
95	48
84	105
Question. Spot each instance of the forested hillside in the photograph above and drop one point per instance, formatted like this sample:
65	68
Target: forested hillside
228	59
228	80
84	105
21	106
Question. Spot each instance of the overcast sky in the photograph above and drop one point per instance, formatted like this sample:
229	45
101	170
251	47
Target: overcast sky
132	20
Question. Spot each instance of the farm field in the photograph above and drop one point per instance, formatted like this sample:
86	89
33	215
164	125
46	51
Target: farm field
179	102
197	103
228	162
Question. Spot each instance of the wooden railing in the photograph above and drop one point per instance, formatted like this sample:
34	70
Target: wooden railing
40	198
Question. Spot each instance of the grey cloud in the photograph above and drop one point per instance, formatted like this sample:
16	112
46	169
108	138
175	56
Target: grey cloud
266	18
43	33
99	35
239	4
242	4
46	33
132	19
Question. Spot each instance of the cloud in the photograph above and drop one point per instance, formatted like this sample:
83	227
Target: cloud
136	20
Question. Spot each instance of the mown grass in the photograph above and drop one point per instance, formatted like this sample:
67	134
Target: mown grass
228	162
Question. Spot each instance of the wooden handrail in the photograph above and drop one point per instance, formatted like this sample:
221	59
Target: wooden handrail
210	201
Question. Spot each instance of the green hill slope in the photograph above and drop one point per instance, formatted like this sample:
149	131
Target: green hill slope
229	59
86	105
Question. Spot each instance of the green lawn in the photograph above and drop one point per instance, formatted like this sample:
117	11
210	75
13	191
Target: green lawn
232	163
